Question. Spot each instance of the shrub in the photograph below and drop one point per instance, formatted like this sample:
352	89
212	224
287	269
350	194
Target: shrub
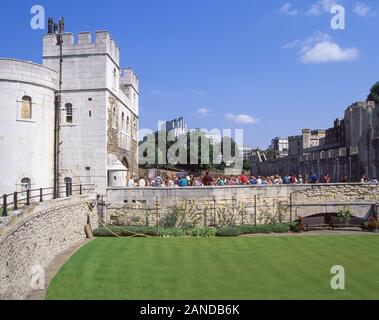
249	229
191	232
228	232
281	228
263	228
171	233
102	232
297	225
124	231
346	215
202	232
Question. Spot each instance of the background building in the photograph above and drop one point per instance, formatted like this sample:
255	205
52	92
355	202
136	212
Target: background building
350	149
279	147
247	152
177	126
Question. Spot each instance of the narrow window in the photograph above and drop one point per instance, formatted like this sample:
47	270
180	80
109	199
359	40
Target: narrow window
68	108
114	118
68	183
115	78
135	127
26	108
123	124
26	184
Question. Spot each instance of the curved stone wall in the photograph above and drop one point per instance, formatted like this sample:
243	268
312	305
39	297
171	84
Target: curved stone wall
33	237
27	145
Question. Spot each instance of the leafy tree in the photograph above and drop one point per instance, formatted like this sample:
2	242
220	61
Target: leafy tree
247	165
374	93
191	137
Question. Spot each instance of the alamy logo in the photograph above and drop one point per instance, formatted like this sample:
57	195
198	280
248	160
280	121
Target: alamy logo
38	278
338	280
38	20
338	20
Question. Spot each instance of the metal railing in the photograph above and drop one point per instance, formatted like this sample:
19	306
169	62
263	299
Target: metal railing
20	199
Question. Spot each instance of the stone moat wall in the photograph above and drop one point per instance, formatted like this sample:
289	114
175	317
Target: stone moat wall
34	236
223	206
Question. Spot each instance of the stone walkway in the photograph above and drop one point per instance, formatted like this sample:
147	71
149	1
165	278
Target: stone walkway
54	268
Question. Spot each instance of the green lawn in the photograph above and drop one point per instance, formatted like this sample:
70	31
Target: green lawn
220	268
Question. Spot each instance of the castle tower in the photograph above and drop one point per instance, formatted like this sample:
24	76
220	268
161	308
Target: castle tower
26	126
99	119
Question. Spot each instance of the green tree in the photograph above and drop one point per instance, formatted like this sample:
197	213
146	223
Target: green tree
191	136
247	165
374	93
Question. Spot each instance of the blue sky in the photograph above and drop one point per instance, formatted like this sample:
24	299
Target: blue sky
268	67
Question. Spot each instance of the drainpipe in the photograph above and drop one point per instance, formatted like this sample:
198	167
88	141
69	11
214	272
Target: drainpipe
58	101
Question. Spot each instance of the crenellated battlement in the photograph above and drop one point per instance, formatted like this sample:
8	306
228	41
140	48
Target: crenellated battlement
361	105
128	77
102	44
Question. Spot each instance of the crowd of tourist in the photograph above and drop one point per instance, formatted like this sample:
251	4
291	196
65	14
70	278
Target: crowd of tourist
212	180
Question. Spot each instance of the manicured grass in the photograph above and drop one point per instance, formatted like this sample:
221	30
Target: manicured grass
220	268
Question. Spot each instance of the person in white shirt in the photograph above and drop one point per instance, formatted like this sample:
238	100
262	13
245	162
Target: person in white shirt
142	183
259	180
131	183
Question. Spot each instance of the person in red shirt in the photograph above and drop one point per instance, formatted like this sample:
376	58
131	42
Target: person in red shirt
244	179
207	180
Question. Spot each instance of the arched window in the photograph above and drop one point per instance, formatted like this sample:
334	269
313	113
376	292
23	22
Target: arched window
68	108
26	108
26	184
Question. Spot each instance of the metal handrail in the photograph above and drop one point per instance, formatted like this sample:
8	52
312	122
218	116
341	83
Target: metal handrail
26	200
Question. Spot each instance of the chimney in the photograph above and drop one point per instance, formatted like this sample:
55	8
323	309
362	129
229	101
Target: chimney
56	28
61	25
50	25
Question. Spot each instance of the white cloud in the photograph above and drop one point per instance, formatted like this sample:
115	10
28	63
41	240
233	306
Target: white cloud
320	48
328	51
361	9
314	10
306	43
156	92
240	118
203	112
322	6
291	45
164	94
288	10
200	92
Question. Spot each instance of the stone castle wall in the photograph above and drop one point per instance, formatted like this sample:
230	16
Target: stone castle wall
27	145
35	236
222	206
